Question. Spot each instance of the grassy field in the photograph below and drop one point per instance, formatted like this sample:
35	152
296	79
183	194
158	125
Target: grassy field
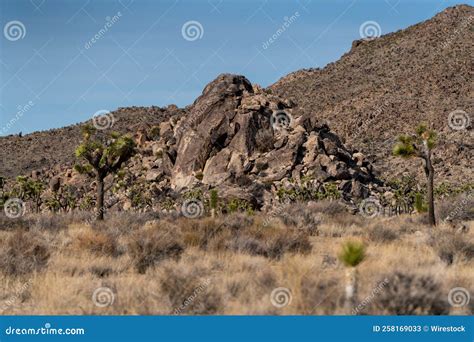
281	264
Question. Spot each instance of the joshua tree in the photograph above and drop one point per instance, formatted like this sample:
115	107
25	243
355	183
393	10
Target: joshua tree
352	254
103	156
29	189
420	146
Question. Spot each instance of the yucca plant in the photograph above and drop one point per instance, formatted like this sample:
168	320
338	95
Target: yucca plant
352	254
420	146
213	201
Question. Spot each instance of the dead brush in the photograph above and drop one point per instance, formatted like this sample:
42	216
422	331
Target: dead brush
381	234
97	242
24	253
450	245
189	292
149	246
270	242
410	294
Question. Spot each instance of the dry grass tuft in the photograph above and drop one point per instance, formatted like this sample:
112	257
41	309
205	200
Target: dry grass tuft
409	294
24	252
151	245
96	242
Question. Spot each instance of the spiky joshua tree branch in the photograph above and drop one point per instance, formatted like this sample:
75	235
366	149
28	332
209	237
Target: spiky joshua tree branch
103	156
420	146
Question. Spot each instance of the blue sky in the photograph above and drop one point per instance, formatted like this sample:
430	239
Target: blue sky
53	75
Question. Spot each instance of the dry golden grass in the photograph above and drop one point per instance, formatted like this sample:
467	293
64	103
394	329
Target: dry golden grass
230	265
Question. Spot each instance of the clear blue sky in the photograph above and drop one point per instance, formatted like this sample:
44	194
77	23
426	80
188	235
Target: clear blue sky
143	59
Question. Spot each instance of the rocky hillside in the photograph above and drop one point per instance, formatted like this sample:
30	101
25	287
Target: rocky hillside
388	85
45	150
379	89
237	139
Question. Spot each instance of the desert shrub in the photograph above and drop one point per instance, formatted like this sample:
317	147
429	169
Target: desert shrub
271	245
97	242
300	216
23	253
320	296
329	208
264	140
149	246
101	271
460	208
409	294
123	222
52	222
237	221
420	204
382	234
189	292
22	222
449	245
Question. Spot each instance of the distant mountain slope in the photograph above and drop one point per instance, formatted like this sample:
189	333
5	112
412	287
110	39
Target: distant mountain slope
386	86
379	89
48	149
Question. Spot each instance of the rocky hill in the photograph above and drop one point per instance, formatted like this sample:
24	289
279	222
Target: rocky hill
388	85
45	150
236	139
314	134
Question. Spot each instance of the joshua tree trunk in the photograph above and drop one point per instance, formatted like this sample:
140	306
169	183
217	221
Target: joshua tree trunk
429	171
100	198
351	290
